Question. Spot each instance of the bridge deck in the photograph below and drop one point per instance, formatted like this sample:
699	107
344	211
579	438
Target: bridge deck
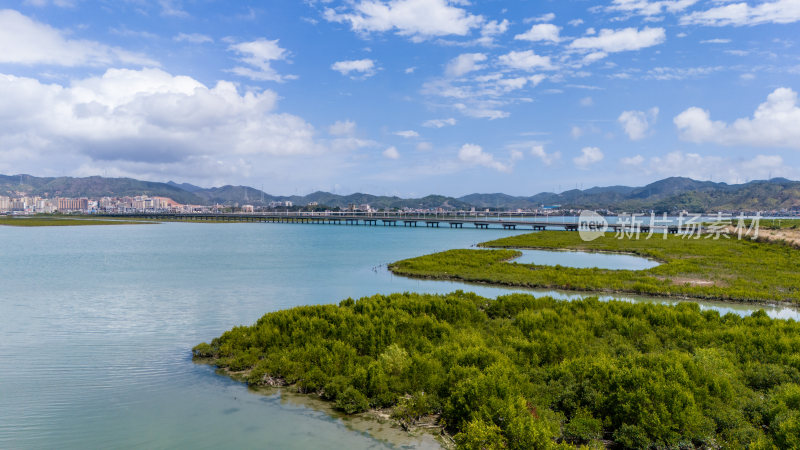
391	220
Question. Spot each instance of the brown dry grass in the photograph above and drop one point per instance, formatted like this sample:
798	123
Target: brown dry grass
788	235
791	236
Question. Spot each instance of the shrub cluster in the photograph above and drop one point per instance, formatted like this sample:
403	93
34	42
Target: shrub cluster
522	372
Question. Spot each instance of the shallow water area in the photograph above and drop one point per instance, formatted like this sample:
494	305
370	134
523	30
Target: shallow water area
382	429
97	326
585	260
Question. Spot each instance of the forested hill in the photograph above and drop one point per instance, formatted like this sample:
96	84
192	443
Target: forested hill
21	185
669	195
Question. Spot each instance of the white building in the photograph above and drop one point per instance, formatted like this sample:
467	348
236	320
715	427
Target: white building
18	204
286	204
5	204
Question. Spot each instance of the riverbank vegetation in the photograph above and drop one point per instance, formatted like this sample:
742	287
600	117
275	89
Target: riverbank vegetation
780	224
524	373
59	221
724	269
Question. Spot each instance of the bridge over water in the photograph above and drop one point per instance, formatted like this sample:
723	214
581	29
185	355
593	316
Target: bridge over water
508	222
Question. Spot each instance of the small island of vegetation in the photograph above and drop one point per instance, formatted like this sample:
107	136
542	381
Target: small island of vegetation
522	372
724	269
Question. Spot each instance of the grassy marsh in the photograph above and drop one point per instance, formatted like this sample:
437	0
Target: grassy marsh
724	269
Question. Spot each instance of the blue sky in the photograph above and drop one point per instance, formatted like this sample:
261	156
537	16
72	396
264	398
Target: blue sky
405	97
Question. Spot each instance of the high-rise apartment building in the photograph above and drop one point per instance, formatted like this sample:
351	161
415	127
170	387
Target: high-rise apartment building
73	204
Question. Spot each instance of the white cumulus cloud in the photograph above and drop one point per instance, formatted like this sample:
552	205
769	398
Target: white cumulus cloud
650	7
146	121
589	156
541	32
474	155
547	158
716	41
344	133
465	63
28	42
594	57
703	167
342	128
548	17
626	39
775	123
525	60
761	162
391	153
408	134
742	14
494	28
418	19
359	68
259	55
440	123
637	123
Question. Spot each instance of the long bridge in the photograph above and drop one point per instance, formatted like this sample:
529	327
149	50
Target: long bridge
397	219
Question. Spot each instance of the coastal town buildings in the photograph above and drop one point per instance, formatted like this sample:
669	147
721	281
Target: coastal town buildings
85	205
158	204
26	204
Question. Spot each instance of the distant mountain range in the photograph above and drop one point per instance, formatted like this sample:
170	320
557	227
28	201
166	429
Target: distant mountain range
668	195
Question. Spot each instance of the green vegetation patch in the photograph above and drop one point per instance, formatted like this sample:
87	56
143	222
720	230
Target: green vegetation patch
724	269
524	373
58	221
777	224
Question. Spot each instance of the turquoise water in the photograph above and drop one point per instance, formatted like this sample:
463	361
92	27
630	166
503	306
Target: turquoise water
97	323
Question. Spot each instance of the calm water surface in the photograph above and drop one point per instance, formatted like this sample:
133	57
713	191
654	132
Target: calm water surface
585	260
97	323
